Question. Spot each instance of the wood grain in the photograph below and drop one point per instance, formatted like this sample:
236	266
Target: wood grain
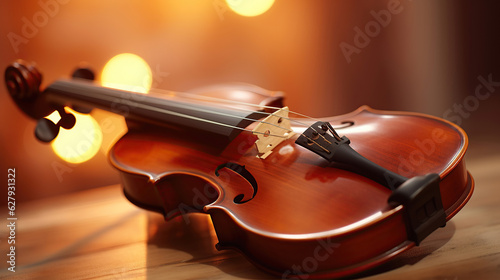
98	234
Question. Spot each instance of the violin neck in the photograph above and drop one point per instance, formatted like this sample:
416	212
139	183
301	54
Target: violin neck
219	124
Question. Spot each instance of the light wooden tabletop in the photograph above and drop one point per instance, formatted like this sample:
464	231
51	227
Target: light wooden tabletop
98	234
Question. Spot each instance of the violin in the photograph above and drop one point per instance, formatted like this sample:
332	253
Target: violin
299	197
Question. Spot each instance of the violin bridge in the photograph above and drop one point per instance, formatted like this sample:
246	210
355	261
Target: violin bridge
271	131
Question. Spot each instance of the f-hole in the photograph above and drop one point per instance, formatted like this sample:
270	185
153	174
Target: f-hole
343	124
243	172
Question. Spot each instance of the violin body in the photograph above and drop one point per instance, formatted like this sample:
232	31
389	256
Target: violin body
308	217
288	210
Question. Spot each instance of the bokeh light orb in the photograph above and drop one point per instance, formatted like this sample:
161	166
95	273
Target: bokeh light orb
80	143
250	8
127	71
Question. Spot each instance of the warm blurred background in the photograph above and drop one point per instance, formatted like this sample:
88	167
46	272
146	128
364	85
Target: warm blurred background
329	57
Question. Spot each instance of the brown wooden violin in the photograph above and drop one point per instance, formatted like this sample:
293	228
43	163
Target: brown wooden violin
293	195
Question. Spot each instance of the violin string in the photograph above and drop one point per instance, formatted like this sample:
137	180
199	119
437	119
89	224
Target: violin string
161	110
191	107
231	126
196	96
186	106
211	111
324	149
333	132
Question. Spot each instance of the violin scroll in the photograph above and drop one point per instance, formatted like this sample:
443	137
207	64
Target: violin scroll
23	81
23	84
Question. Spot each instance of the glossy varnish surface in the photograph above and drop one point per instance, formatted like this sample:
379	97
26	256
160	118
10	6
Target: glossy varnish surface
300	183
301	198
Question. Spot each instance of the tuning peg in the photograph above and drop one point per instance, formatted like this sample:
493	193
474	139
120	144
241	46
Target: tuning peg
80	109
86	74
67	120
46	130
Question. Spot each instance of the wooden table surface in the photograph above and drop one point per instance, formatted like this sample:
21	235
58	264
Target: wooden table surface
98	234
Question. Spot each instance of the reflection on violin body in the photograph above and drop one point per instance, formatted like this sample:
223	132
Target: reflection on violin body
306	200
